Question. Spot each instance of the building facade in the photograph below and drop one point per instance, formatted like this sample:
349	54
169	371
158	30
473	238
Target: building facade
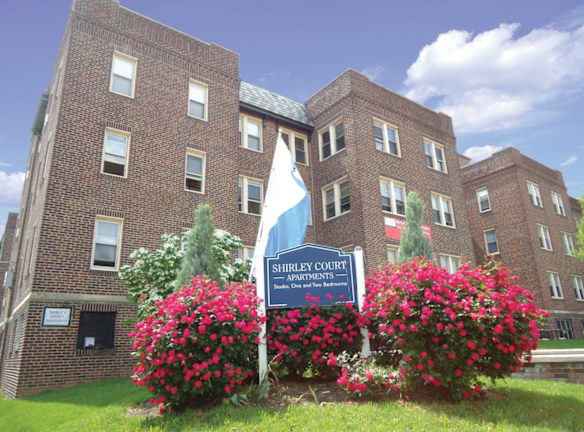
520	212
140	124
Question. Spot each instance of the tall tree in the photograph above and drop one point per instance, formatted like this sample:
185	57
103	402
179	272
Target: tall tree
199	258
413	243
580	233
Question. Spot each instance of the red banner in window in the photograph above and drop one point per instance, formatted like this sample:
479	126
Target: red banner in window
394	228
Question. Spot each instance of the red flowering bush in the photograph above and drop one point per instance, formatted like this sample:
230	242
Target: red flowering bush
445	330
365	376
199	345
309	338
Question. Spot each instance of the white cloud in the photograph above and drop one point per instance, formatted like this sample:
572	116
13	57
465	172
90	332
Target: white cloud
374	72
479	153
11	187
491	81
569	161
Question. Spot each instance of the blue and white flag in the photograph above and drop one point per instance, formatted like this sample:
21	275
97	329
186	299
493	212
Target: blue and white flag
286	210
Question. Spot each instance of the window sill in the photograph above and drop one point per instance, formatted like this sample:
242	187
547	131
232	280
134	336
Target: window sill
580	300
113	176
435	170
389	153
251	214
385	212
122	94
558	298
106	270
445	226
337	216
332	154
547	250
197	118
485	211
194	191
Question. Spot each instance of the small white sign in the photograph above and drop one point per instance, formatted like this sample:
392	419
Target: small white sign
57	317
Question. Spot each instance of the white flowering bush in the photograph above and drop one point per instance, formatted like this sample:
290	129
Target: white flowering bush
151	276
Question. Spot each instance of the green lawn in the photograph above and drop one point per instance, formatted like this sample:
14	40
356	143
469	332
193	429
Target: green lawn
513	405
561	344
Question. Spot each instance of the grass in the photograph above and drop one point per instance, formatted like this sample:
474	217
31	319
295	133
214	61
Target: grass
561	344
513	405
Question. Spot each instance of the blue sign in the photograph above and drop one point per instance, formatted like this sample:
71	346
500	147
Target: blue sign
294	276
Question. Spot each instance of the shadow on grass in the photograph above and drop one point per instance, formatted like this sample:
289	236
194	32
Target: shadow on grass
502	409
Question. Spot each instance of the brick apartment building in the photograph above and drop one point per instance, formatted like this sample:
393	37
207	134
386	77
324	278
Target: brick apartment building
141	123
519	210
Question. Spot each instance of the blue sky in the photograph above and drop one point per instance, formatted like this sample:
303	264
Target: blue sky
508	72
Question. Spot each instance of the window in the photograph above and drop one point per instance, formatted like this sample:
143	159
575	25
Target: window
533	190
195	171
483	200
246	253
435	155
568	244
544	237
250	195
442	210
250	136
386	138
297	145
565	329
555	285
450	262
393	254
17	335
332	140
115	152
491	242
336	199
198	95
558	204
578	287
393	197
106	243
96	330
123	75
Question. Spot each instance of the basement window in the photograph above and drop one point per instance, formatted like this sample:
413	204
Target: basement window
96	330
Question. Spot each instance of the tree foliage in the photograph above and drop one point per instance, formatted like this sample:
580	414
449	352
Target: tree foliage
413	244
198	257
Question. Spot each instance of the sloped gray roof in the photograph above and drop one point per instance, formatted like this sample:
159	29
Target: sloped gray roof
266	100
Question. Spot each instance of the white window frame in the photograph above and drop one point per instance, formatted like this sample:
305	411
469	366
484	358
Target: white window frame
450	262
558	203
292	144
395	249
120	133
244	194
543	234
203	156
120	223
534	194
130	59
205	89
433	145
17	334
555	285
384	127
578	286
391	185
336	187
442	199
244	119
494	231
331	129
568	244
243	253
478	193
